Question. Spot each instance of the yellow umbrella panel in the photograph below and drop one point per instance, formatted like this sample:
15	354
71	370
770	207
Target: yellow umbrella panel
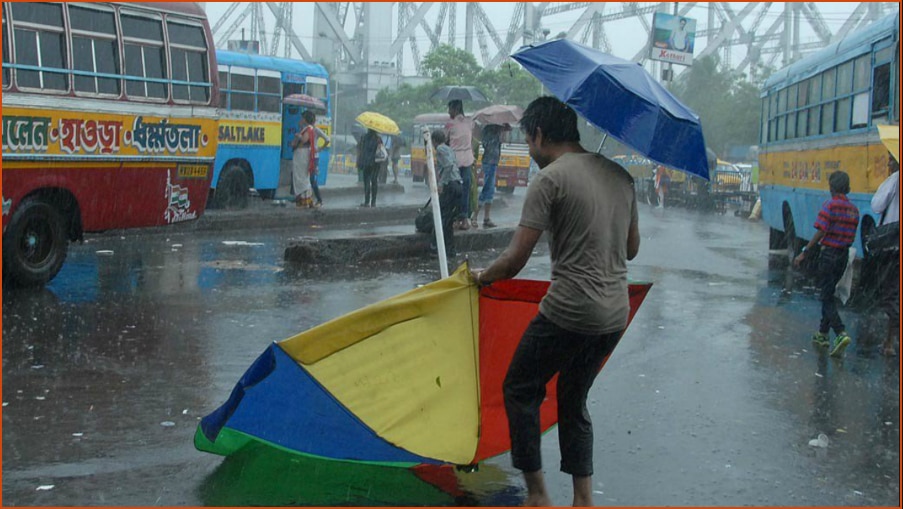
890	136
378	122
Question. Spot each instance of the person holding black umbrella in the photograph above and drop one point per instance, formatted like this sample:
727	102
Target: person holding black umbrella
587	204
459	132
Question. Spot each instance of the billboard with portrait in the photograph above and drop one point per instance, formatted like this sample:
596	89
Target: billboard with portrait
673	38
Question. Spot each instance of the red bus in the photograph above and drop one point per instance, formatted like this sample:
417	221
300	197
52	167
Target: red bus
109	121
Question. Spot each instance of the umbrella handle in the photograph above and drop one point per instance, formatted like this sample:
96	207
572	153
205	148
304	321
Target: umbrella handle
604	137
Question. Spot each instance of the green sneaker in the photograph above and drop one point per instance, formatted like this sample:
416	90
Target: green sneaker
840	343
821	340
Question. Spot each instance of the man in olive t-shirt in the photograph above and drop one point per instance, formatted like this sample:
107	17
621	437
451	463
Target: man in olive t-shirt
587	204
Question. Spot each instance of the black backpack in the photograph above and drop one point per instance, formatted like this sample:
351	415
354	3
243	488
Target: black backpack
423	223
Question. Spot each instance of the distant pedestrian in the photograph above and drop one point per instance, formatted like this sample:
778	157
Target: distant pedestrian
395	156
304	157
450	190
311	119
368	165
662	181
459	132
491	139
835	230
886	204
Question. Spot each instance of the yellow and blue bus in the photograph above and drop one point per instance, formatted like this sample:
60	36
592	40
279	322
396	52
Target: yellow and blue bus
819	115
255	127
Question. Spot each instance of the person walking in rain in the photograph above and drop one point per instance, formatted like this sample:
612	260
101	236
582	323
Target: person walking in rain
368	165
311	119
585	311
450	190
395	156
491	139
304	157
459	132
886	204
835	230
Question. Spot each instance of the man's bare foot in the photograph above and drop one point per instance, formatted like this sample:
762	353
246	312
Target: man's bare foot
537	501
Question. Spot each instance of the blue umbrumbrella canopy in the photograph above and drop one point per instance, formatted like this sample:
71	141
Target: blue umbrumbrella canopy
621	98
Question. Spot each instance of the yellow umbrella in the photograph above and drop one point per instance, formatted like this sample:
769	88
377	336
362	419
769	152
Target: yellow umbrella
890	136
379	123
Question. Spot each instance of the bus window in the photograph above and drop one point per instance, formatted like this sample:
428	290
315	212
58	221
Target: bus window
844	79
828	82
815	89
224	87
814	120
242	89
94	49
842	115
6	77
188	54
269	91
881	91
317	90
827	118
144	57
802	122
38	29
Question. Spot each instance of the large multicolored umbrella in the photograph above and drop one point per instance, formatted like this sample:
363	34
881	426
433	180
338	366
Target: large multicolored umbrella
378	122
622	99
415	379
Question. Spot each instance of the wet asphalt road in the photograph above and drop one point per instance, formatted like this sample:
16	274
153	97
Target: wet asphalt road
711	398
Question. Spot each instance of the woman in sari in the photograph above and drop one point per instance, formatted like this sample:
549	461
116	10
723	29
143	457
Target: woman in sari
304	159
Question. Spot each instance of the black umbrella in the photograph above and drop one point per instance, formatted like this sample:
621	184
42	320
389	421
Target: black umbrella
460	92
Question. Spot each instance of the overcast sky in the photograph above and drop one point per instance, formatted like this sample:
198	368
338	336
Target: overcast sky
626	36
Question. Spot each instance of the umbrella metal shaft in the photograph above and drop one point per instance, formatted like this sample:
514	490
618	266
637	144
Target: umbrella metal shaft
434	201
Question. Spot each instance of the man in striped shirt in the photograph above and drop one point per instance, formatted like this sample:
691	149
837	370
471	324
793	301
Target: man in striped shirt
835	229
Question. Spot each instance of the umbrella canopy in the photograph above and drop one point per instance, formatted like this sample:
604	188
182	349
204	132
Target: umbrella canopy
890	136
378	122
622	99
305	101
498	114
381	385
463	93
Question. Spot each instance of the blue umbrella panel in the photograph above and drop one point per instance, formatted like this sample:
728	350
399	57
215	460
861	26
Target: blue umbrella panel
622	99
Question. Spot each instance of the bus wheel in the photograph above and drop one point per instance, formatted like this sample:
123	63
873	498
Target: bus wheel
794	246
34	244
232	189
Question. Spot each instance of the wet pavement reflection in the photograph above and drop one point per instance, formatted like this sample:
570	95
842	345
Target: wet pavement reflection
712	397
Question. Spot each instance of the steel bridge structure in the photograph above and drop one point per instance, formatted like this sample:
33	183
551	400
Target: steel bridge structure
372	45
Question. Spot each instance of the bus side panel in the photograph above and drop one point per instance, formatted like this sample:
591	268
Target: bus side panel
157	193
114	164
261	159
800	179
256	142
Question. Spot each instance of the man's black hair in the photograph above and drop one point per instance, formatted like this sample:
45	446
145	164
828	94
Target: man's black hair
438	137
457	105
557	120
309	117
839	182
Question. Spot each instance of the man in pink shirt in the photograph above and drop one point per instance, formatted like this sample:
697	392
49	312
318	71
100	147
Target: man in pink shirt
459	131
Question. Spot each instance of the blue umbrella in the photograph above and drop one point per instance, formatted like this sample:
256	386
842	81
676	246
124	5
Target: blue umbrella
622	99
